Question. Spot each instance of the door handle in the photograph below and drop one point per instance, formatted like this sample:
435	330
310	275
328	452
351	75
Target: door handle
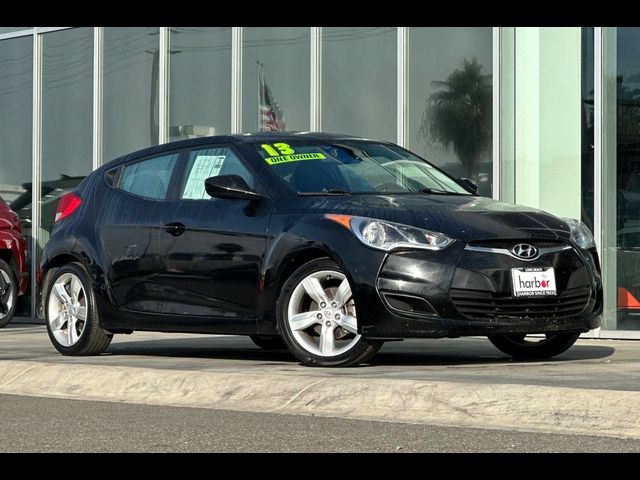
174	228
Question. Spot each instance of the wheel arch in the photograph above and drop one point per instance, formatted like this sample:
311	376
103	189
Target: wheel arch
304	239
65	247
295	260
8	256
281	271
12	251
50	266
58	261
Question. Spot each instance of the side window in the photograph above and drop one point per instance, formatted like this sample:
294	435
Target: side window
211	162
149	178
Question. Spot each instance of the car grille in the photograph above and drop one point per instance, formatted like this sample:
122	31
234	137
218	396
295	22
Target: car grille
483	305
508	244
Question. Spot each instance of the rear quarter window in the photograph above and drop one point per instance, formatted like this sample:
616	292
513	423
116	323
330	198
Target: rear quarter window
149	178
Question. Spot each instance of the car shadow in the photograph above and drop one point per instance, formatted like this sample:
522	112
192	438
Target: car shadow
200	348
443	352
486	356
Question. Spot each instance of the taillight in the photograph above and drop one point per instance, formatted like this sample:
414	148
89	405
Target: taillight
66	206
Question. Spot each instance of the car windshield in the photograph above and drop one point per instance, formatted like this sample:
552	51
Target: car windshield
355	168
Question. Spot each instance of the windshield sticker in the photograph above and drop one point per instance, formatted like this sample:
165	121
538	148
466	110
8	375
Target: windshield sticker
205	166
283	149
294	158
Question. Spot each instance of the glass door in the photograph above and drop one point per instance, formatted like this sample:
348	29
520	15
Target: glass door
621	177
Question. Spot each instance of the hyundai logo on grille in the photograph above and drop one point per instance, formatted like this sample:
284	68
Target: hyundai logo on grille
524	250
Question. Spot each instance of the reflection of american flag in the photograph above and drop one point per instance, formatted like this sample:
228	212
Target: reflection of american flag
270	117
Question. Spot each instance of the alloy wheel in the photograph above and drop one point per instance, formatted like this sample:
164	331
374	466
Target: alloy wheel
67	309
321	314
6	294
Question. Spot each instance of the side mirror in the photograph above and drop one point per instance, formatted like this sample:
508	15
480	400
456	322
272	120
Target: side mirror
470	185
230	186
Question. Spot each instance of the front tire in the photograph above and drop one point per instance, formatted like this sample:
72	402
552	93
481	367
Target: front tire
518	346
317	317
8	294
71	314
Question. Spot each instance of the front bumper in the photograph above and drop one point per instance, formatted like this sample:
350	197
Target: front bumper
461	291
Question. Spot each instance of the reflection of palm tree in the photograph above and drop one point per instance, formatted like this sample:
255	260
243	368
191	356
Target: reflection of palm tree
459	114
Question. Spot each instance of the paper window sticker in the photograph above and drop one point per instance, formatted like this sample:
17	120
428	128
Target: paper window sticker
204	166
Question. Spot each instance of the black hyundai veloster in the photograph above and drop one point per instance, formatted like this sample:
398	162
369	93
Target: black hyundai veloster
326	244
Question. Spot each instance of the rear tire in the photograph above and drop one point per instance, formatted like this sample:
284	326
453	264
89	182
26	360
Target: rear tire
518	347
268	342
8	294
71	315
317	317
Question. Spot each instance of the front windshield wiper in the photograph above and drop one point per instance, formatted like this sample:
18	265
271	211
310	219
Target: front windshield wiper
331	191
436	191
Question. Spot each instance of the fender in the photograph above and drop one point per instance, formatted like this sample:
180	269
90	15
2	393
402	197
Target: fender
60	248
63	248
80	248
303	238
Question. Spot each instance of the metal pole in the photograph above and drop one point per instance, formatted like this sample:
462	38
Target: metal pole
315	122
236	80
36	153
98	42
497	157
163	100
402	76
259	123
598	139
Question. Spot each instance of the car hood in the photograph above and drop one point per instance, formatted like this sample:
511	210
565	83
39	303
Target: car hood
467	218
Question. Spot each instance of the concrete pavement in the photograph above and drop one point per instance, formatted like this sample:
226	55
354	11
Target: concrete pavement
36	424
594	388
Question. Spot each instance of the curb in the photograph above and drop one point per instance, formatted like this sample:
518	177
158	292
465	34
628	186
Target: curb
504	406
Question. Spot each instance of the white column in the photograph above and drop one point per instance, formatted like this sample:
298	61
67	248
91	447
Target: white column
236	80
605	181
315	121
36	154
496	45
548	119
163	86
402	84
98	52
506	110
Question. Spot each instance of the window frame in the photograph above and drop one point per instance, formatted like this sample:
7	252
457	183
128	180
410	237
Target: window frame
115	176
170	187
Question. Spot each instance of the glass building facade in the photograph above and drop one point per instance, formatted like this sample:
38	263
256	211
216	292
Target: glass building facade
542	116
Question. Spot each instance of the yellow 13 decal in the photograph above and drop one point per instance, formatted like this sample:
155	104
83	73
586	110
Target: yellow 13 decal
283	149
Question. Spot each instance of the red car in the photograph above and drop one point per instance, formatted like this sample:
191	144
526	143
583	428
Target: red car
13	264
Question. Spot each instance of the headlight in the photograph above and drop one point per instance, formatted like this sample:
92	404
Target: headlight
580	233
389	236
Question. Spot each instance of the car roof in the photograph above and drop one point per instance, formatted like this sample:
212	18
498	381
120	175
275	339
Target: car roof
237	138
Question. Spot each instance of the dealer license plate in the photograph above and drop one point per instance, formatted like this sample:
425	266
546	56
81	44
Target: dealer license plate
533	282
